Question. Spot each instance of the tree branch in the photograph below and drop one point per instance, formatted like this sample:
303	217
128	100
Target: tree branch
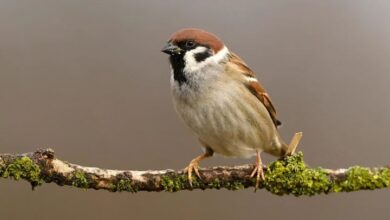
287	176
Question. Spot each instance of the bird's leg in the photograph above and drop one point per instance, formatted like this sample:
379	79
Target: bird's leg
194	165
258	170
294	144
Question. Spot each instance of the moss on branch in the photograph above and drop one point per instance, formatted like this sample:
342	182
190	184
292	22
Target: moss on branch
22	168
282	177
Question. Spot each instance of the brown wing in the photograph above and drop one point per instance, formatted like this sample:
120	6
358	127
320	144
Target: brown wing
255	87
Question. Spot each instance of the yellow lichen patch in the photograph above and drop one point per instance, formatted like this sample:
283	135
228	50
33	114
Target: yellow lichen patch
292	176
80	180
363	178
23	168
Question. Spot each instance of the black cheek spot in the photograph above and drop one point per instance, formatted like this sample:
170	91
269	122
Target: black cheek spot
199	57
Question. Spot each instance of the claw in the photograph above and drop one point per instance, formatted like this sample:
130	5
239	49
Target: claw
196	169
192	167
258	171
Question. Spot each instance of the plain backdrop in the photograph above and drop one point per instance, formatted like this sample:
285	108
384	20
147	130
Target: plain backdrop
87	79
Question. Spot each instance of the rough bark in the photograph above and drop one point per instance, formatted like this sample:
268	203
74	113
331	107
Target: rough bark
287	176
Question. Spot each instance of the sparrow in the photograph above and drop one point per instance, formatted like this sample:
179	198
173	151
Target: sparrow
220	99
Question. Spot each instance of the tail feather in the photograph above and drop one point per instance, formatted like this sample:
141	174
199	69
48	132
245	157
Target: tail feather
294	144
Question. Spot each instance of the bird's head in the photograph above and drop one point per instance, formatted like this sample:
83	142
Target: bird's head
191	49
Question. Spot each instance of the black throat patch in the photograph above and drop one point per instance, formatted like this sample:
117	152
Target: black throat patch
177	63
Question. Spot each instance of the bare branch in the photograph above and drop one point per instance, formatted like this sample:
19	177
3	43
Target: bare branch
287	176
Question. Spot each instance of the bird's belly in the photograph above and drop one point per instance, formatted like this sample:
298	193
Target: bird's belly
227	124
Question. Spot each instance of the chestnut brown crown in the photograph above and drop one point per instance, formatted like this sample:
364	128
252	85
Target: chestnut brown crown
199	36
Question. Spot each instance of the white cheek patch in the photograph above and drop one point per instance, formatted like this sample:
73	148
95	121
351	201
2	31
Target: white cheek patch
191	65
221	55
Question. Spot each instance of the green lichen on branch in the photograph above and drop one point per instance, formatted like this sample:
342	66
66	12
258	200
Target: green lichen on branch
292	176
80	180
287	176
22	168
124	185
282	177
359	178
235	185
174	183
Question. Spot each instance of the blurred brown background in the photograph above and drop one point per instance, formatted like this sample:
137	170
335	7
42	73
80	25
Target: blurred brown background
87	78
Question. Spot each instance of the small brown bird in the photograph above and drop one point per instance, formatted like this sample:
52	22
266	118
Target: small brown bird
219	98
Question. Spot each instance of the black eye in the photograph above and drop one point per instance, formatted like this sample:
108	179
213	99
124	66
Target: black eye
190	44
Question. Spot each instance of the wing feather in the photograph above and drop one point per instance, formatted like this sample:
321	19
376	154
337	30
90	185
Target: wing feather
255	87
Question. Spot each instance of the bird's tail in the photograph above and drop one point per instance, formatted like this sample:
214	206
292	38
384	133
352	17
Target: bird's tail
281	149
290	149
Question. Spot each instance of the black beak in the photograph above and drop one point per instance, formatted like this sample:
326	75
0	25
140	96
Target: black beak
171	49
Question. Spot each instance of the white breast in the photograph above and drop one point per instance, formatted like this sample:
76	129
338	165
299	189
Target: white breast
218	112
